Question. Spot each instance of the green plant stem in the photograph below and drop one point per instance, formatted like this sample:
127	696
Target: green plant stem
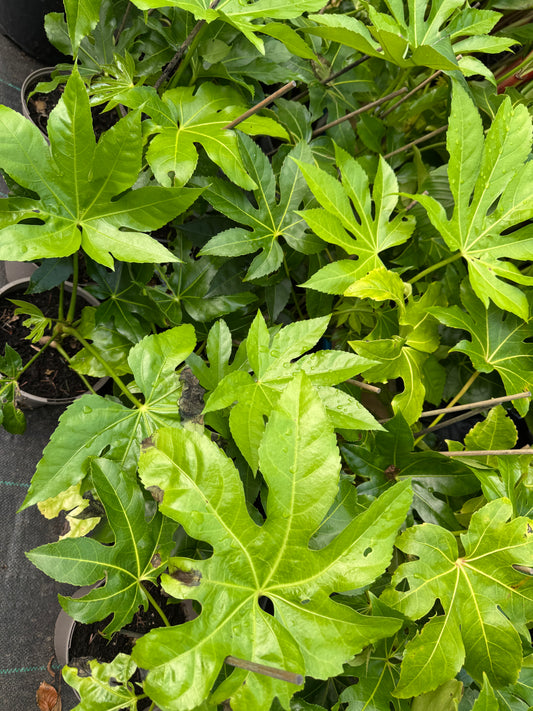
157	608
83	379
434	267
459	395
73	296
294	296
34	358
93	351
60	308
186	58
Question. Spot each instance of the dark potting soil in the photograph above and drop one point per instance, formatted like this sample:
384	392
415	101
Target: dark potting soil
88	643
40	106
49	376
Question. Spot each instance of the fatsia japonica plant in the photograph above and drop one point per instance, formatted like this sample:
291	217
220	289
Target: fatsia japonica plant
308	230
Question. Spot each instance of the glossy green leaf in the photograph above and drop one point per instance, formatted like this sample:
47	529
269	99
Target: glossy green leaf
202	490
497	431
274	217
139	553
184	117
77	183
196	287
396	360
389	457
489	179
486	700
111	346
82	16
498	342
445	698
486	601
430	34
274	361
239	15
218	350
366	235
93	423
376	672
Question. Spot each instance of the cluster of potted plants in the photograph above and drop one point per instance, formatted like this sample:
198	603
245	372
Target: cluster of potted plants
305	231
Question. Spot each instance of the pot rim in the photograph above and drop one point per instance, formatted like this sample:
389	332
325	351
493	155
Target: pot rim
64	626
27	399
36	74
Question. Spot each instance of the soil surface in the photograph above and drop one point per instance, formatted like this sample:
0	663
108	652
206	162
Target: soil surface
41	105
49	376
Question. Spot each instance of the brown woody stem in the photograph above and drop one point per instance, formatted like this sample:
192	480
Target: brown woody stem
451	421
488	452
361	110
410	93
273	672
335	75
480	404
176	59
422	139
261	105
364	386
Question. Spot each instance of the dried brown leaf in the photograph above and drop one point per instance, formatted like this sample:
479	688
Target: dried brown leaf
47	698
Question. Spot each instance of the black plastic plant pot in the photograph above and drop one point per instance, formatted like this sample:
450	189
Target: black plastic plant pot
23	22
28	400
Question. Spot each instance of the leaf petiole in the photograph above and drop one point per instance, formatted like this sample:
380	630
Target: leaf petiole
156	607
434	267
94	352
75	278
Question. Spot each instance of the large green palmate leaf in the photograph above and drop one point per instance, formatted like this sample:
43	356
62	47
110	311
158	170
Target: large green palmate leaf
428	36
486	601
242	16
271	219
491	184
201	288
139	553
93	423
389	457
498	342
309	633
274	359
77	182
335	222
183	118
